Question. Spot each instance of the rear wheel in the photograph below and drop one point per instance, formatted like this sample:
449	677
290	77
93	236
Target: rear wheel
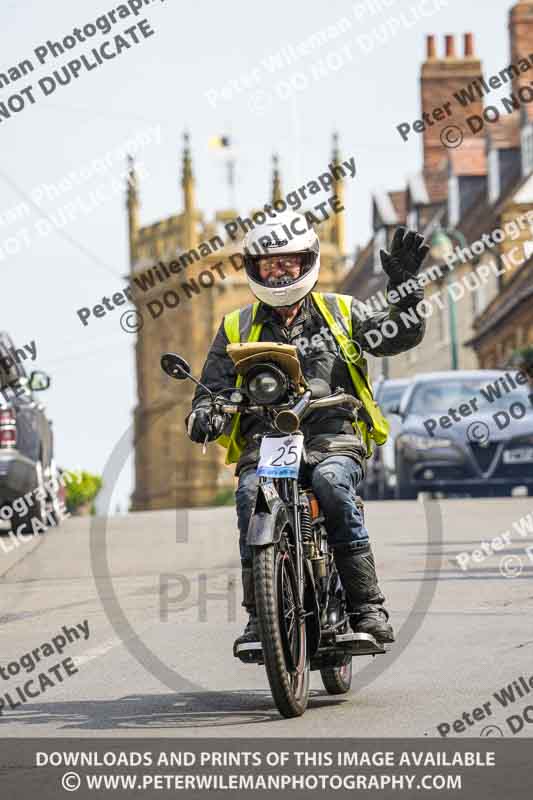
283	634
337	680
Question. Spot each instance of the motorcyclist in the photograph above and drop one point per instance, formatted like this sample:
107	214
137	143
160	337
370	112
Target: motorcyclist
282	272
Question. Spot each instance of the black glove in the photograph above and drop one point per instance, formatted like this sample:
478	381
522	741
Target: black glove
403	264
202	423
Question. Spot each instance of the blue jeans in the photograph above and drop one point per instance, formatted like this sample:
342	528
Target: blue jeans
334	481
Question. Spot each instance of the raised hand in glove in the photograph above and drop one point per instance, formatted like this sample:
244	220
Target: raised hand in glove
202	423
404	262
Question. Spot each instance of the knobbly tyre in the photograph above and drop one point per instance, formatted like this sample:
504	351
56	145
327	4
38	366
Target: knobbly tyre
301	605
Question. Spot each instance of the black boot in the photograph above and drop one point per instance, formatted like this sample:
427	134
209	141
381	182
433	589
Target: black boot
251	631
357	571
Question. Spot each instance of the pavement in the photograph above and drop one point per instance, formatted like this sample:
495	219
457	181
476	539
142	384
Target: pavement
160	594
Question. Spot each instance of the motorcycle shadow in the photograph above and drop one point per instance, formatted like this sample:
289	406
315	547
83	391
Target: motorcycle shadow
160	711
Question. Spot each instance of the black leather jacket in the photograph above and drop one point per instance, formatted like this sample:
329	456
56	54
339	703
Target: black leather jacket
327	431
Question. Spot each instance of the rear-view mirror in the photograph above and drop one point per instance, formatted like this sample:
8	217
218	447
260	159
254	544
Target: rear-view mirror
39	381
175	366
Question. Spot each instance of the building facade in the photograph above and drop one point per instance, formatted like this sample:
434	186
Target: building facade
471	201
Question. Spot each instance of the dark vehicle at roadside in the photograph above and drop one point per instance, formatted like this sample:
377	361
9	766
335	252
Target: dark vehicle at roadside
26	445
466	432
380	480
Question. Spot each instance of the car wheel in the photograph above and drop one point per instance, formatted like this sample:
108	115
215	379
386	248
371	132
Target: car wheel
406	492
404	489
370	492
21	525
40	508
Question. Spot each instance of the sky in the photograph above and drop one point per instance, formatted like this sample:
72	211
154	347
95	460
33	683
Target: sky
213	69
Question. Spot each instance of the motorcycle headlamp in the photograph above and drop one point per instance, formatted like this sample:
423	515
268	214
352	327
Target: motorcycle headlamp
266	384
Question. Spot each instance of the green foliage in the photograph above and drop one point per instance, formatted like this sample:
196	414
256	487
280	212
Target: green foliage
81	488
522	359
525	354
226	497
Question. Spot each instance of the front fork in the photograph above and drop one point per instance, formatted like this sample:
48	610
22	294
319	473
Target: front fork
290	493
295	503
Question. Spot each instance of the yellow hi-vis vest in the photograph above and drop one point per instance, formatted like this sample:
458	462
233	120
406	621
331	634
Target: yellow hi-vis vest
239	326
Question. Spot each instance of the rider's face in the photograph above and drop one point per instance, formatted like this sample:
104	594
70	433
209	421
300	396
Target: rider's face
278	266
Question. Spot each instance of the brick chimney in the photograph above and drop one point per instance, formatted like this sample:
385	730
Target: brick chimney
440	78
521	36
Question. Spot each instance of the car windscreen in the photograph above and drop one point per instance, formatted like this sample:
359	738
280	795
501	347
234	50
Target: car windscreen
390	396
493	395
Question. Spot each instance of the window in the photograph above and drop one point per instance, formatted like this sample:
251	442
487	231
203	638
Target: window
436	396
412	219
380	243
454	209
391	395
479	300
526	140
494	175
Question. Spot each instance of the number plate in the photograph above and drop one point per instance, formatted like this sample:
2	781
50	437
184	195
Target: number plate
280	456
522	455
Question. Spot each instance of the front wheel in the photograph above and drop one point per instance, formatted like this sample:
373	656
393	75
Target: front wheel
283	634
337	680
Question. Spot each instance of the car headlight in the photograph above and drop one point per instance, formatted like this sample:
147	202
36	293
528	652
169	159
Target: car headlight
266	384
423	442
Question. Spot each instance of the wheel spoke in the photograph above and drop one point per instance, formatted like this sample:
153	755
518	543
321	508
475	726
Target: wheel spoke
288	613
289	607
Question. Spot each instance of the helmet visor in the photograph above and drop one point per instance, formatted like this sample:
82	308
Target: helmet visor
283	269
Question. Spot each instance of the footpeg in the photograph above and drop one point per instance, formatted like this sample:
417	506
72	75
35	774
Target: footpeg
359	644
249	652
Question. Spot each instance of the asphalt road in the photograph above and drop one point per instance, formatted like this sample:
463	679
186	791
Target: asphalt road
158	658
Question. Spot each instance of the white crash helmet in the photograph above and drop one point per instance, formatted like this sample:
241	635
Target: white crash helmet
284	234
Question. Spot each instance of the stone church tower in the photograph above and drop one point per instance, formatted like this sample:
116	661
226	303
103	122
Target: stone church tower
170	471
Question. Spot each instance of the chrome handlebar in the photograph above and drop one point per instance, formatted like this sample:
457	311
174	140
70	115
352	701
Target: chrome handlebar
338	398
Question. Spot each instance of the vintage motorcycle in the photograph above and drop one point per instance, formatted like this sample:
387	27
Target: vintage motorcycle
300	601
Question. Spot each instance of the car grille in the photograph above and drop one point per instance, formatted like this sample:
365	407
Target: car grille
484	455
514	471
